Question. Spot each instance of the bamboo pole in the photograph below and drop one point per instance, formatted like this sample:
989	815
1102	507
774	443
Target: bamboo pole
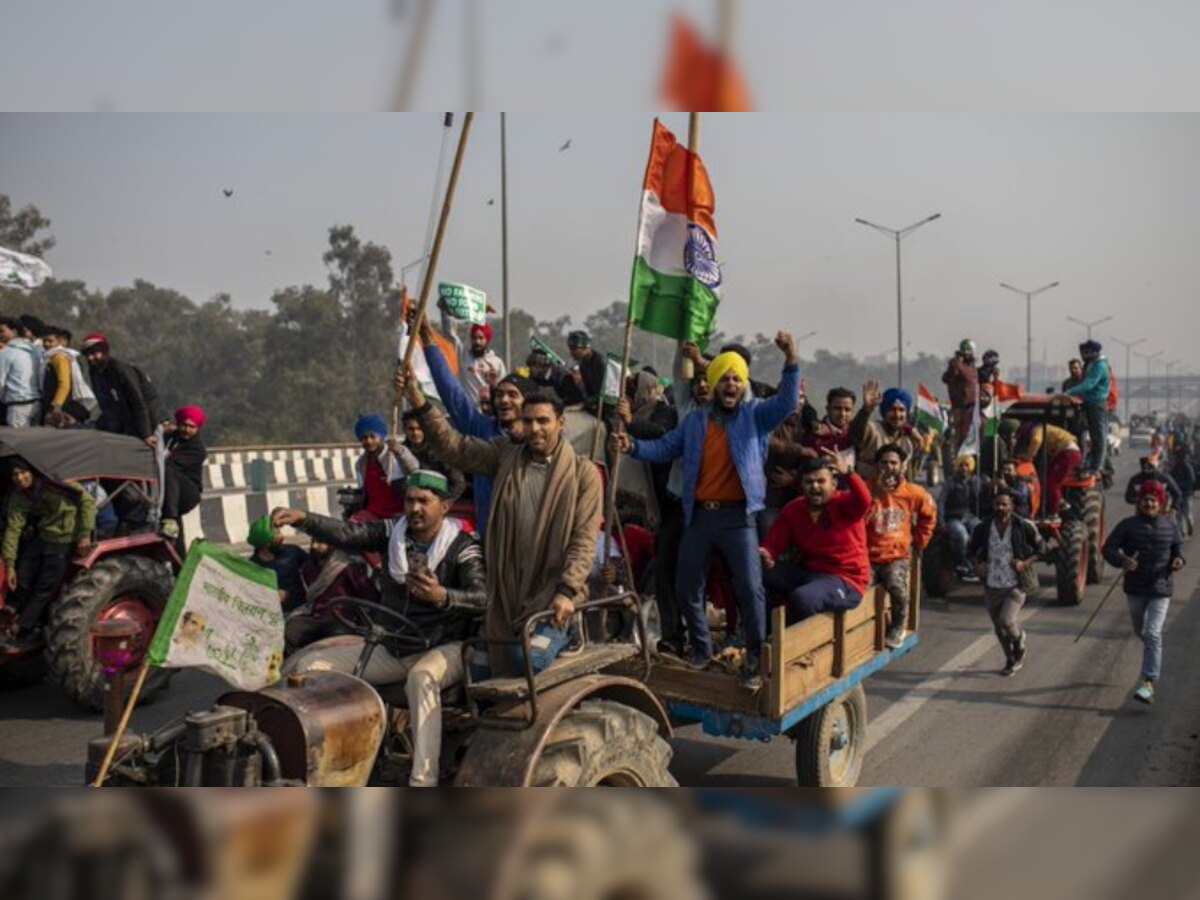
434	254
413	53
123	724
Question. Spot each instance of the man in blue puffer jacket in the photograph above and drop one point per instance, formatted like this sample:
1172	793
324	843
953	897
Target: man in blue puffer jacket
724	450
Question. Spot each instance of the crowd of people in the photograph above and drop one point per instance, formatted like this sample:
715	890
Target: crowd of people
762	501
46	383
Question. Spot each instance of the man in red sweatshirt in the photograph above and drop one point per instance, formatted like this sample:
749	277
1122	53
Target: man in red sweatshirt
825	528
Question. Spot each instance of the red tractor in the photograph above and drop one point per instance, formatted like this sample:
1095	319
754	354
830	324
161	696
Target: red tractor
127	577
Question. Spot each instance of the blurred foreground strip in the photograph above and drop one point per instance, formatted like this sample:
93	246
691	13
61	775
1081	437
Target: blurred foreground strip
586	845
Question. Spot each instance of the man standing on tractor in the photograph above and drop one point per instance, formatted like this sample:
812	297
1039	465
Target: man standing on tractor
1094	390
61	518
21	372
1075	375
1062	453
1148	547
962	383
894	427
542	529
183	475
434	578
1004	548
724	449
902	516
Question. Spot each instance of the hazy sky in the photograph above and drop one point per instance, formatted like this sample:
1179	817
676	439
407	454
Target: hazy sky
1106	203
314	55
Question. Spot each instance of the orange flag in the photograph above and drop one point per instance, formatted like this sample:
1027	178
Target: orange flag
699	77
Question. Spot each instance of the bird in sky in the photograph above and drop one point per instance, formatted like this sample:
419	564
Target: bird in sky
566	146
268	253
492	202
228	192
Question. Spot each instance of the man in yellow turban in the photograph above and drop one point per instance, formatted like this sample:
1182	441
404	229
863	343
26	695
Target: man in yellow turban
724	450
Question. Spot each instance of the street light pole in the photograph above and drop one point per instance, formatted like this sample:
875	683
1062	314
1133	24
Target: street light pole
1170	367
1089	325
898	235
1128	345
1149	358
1029	295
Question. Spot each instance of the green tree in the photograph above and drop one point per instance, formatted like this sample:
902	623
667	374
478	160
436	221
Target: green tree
19	230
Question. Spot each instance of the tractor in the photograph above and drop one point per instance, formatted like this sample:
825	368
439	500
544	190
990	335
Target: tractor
125	577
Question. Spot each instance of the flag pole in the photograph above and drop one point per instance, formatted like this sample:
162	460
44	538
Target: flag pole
504	237
431	267
687	368
111	754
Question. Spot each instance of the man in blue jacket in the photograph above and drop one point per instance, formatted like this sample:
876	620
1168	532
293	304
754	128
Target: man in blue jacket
1094	391
724	450
1148	547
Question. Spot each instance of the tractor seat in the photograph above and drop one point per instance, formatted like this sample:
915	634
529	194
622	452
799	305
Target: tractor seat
591	658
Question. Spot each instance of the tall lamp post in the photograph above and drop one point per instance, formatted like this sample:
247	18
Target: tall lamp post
1029	295
1170	367
1149	358
898	235
1089	325
1128	345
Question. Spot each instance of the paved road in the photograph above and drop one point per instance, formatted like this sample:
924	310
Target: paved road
940	716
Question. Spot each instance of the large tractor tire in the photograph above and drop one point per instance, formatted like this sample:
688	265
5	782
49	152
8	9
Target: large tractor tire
937	569
605	743
125	587
1072	564
831	743
1093	520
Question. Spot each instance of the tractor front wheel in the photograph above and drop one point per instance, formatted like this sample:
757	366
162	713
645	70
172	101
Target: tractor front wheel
604	743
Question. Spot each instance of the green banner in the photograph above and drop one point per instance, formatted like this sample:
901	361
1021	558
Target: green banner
463	302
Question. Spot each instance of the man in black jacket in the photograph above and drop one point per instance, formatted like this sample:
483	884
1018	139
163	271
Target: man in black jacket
183	473
1148	547
1150	472
1005	548
124	408
435	577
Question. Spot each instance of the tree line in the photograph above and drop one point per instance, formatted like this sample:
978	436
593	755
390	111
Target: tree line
302	370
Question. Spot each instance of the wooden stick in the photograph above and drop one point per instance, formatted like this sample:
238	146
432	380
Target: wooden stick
1112	587
414	330
123	724
688	368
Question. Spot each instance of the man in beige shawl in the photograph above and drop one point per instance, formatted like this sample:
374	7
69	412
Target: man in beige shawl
546	509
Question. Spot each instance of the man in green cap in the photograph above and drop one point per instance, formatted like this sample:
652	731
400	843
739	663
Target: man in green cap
285	560
962	383
435	578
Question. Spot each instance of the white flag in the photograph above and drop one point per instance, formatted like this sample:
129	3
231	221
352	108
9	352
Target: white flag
612	389
22	271
224	616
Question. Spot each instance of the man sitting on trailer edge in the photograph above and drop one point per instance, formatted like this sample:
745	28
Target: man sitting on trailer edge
435	578
825	530
724	449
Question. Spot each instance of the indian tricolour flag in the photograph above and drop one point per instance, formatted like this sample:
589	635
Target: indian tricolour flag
676	277
929	411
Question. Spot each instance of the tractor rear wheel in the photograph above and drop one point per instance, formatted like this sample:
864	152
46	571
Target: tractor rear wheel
830	743
132	588
1093	520
1072	564
602	742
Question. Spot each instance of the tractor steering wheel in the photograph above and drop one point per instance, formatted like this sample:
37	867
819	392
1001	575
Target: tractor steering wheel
407	637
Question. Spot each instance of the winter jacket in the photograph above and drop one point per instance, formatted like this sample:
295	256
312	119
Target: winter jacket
1156	542
834	544
60	513
869	435
749	429
962	382
22	365
461	572
963	497
65	387
1184	474
1027	542
187	459
123	408
1096	384
1135	484
897	520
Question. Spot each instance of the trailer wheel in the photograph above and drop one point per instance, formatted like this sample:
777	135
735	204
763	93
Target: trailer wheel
831	742
1093	519
604	743
1071	566
907	848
